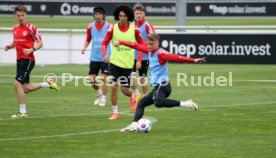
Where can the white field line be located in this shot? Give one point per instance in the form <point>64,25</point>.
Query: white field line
<point>269,81</point>
<point>71,115</point>
<point>60,135</point>
<point>113,130</point>
<point>153,120</point>
<point>152,110</point>
<point>241,104</point>
<point>39,76</point>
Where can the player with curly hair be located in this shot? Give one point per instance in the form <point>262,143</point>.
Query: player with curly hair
<point>122,57</point>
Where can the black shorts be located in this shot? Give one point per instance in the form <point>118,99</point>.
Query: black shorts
<point>24,68</point>
<point>95,67</point>
<point>120,75</point>
<point>144,68</point>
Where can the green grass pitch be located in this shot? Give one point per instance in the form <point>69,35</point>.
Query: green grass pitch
<point>82,22</point>
<point>236,121</point>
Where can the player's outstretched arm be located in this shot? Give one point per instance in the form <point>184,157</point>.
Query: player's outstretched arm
<point>200,60</point>
<point>167,56</point>
<point>133,45</point>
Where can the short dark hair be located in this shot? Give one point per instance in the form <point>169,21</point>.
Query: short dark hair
<point>99,9</point>
<point>139,7</point>
<point>126,9</point>
<point>20,8</point>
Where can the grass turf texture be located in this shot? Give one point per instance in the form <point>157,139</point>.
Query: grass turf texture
<point>81,23</point>
<point>237,121</point>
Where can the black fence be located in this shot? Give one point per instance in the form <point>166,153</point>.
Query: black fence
<point>231,9</point>
<point>223,48</point>
<point>207,9</point>
<point>82,8</point>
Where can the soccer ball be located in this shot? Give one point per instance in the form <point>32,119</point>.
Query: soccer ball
<point>144,125</point>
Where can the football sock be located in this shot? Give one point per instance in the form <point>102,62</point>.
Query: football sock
<point>22,108</point>
<point>99,92</point>
<point>183,104</point>
<point>135,91</point>
<point>45,84</point>
<point>103,98</point>
<point>115,109</point>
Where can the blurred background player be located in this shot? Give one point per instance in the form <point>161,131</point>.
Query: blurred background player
<point>159,78</point>
<point>145,28</point>
<point>26,40</point>
<point>122,57</point>
<point>95,33</point>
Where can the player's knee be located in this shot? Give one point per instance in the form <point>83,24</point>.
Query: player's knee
<point>125,91</point>
<point>114,86</point>
<point>26,88</point>
<point>93,83</point>
<point>93,80</point>
<point>17,83</point>
<point>140,104</point>
<point>158,102</point>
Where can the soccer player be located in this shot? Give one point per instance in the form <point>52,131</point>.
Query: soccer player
<point>95,33</point>
<point>159,78</point>
<point>26,40</point>
<point>145,28</point>
<point>122,57</point>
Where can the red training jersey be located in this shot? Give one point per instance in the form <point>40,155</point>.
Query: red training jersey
<point>109,36</point>
<point>149,27</point>
<point>24,37</point>
<point>89,29</point>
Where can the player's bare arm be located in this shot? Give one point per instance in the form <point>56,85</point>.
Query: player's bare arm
<point>85,45</point>
<point>138,64</point>
<point>37,46</point>
<point>200,60</point>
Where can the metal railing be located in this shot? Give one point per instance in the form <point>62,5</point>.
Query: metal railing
<point>66,44</point>
<point>206,28</point>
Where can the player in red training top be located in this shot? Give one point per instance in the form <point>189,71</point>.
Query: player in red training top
<point>95,34</point>
<point>121,58</point>
<point>26,40</point>
<point>159,78</point>
<point>145,28</point>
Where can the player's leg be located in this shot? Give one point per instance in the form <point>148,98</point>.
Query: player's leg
<point>143,76</point>
<point>144,84</point>
<point>26,68</point>
<point>160,94</point>
<point>22,77</point>
<point>30,87</point>
<point>104,70</point>
<point>22,86</point>
<point>97,88</point>
<point>135,91</point>
<point>125,87</point>
<point>21,100</point>
<point>144,102</point>
<point>94,69</point>
<point>115,72</point>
